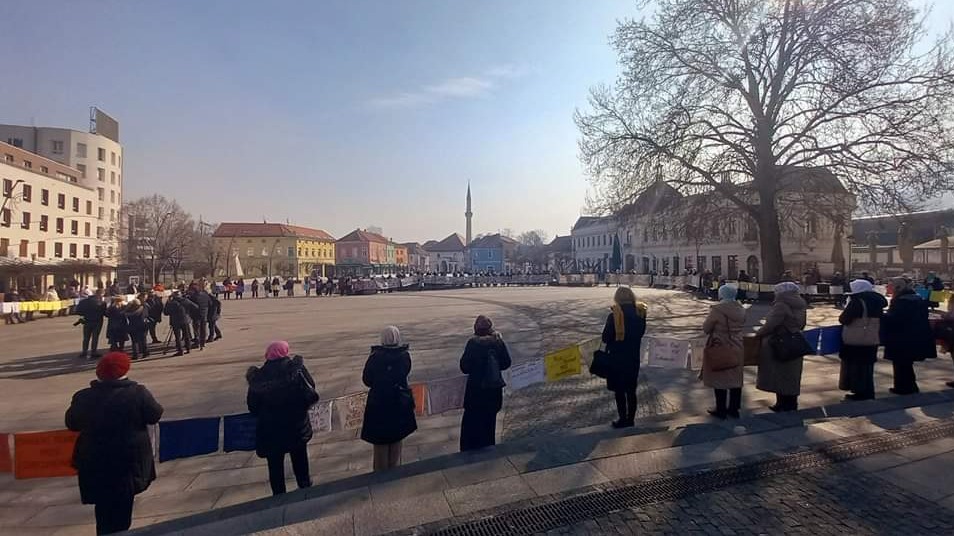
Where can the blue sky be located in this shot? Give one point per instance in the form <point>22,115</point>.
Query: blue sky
<point>332,114</point>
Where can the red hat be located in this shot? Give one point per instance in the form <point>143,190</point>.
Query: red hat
<point>112,366</point>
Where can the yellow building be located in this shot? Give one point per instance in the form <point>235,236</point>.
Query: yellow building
<point>256,250</point>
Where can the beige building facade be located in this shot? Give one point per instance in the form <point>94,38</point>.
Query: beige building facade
<point>273,249</point>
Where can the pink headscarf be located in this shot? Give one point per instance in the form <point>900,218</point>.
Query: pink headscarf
<point>276,350</point>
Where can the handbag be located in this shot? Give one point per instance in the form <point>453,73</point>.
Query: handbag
<point>492,379</point>
<point>862,331</point>
<point>602,364</point>
<point>717,355</point>
<point>306,391</point>
<point>789,346</point>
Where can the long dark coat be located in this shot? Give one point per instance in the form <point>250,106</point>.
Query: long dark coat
<point>92,309</point>
<point>905,331</point>
<point>386,419</point>
<point>783,378</point>
<point>113,454</point>
<point>116,325</point>
<point>154,306</point>
<point>174,309</point>
<point>478,424</point>
<point>875,304</point>
<point>273,397</point>
<point>137,319</point>
<point>624,353</point>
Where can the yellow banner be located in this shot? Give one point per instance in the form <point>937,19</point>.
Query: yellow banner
<point>940,296</point>
<point>562,363</point>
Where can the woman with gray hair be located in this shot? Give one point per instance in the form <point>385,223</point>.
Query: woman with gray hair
<point>777,373</point>
<point>389,413</point>
<point>723,357</point>
<point>906,335</point>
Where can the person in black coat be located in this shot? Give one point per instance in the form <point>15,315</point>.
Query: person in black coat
<point>153,306</point>
<point>178,314</point>
<point>116,324</point>
<point>485,356</point>
<point>389,413</point>
<point>113,454</point>
<point>215,311</point>
<point>279,395</point>
<point>857,361</point>
<point>137,321</point>
<point>623,335</point>
<point>200,322</point>
<point>91,310</point>
<point>906,335</point>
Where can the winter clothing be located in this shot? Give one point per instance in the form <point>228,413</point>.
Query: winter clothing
<point>112,366</point>
<point>276,350</point>
<point>137,318</point>
<point>92,310</point>
<point>725,322</point>
<point>907,337</point>
<point>116,326</point>
<point>624,353</point>
<point>389,414</point>
<point>113,454</point>
<point>789,313</point>
<point>857,362</point>
<point>481,403</point>
<point>153,307</point>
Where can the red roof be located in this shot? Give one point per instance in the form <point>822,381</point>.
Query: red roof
<point>233,229</point>
<point>363,236</point>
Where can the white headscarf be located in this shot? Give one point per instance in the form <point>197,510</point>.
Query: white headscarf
<point>391,336</point>
<point>785,286</point>
<point>861,285</point>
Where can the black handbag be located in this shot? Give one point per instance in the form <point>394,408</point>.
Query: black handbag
<point>602,364</point>
<point>788,346</point>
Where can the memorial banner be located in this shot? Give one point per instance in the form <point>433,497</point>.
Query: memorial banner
<point>940,296</point>
<point>419,390</point>
<point>830,340</point>
<point>238,432</point>
<point>563,363</point>
<point>526,374</point>
<point>668,353</point>
<point>6,457</point>
<point>43,454</point>
<point>589,346</point>
<point>696,349</point>
<point>188,437</point>
<point>445,395</point>
<point>320,416</point>
<point>351,410</point>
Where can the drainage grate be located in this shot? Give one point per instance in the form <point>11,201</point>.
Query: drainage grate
<point>544,517</point>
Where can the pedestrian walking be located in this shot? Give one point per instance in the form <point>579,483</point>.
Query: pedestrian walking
<point>200,320</point>
<point>116,324</point>
<point>113,455</point>
<point>861,326</point>
<point>91,310</point>
<point>389,413</point>
<point>485,356</point>
<point>724,355</point>
<point>137,320</point>
<point>780,373</point>
<point>279,395</point>
<point>215,312</point>
<point>907,335</point>
<point>623,334</point>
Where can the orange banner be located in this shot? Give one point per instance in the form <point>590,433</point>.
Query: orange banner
<point>6,460</point>
<point>419,390</point>
<point>43,454</point>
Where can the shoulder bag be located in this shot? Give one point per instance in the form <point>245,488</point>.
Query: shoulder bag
<point>789,346</point>
<point>862,331</point>
<point>717,355</point>
<point>602,363</point>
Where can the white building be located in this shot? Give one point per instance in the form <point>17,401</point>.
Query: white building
<point>592,239</point>
<point>448,255</point>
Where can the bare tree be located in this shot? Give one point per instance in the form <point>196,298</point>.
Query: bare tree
<point>154,227</point>
<point>537,237</point>
<point>715,93</point>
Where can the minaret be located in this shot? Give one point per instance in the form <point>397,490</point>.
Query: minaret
<point>469,215</point>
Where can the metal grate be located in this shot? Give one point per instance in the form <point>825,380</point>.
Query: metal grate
<point>544,517</point>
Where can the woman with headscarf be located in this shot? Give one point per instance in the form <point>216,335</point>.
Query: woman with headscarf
<point>137,323</point>
<point>485,356</point>
<point>906,335</point>
<point>622,335</point>
<point>113,454</point>
<point>724,329</point>
<point>860,319</point>
<point>782,377</point>
<point>279,395</point>
<point>389,413</point>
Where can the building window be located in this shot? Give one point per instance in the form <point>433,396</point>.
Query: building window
<point>56,146</point>
<point>25,223</point>
<point>7,187</point>
<point>5,217</point>
<point>80,150</point>
<point>82,169</point>
<point>101,174</point>
<point>250,252</point>
<point>45,197</point>
<point>44,169</point>
<point>101,154</point>
<point>72,251</point>
<point>76,204</point>
<point>27,192</point>
<point>59,225</point>
<point>112,196</point>
<point>85,251</point>
<point>112,177</point>
<point>61,201</point>
<point>112,158</point>
<point>44,222</point>
<point>4,246</point>
<point>109,251</point>
<point>24,248</point>
<point>86,228</point>
<point>89,208</point>
<point>101,193</point>
<point>41,249</point>
<point>8,157</point>
<point>101,212</point>
<point>74,227</point>
<point>27,164</point>
<point>291,251</point>
<point>112,214</point>
<point>57,250</point>
<point>99,235</point>
<point>99,251</point>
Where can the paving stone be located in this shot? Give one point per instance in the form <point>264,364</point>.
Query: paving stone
<point>409,486</point>
<point>631,465</point>
<point>467,499</point>
<point>922,477</point>
<point>564,478</point>
<point>229,477</point>
<point>388,516</point>
<point>334,504</point>
<point>481,471</point>
<point>62,515</point>
<point>180,503</point>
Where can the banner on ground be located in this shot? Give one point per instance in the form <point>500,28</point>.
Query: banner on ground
<point>188,437</point>
<point>351,410</point>
<point>697,347</point>
<point>320,416</point>
<point>527,373</point>
<point>563,363</point>
<point>665,352</point>
<point>830,341</point>
<point>419,390</point>
<point>813,336</point>
<point>43,454</point>
<point>238,432</point>
<point>445,395</point>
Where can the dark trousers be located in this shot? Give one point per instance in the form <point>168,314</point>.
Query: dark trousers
<point>91,337</point>
<point>626,405</point>
<point>275,293</point>
<point>114,515</point>
<point>276,469</point>
<point>138,342</point>
<point>214,332</point>
<point>181,333</point>
<point>198,331</point>
<point>254,292</point>
<point>152,332</point>
<point>786,402</point>
<point>905,382</point>
<point>734,397</point>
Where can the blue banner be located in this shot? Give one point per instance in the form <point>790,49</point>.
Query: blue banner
<point>813,336</point>
<point>830,342</point>
<point>189,437</point>
<point>238,432</point>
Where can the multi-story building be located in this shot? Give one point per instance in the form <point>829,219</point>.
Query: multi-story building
<point>364,253</point>
<point>492,254</point>
<point>400,256</point>
<point>592,239</point>
<point>417,259</point>
<point>273,249</point>
<point>97,156</point>
<point>48,224</point>
<point>448,255</point>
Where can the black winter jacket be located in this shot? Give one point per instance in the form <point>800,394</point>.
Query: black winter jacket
<point>203,301</point>
<point>905,331</point>
<point>92,309</point>
<point>275,399</point>
<point>387,418</point>
<point>154,307</point>
<point>113,454</point>
<point>177,313</point>
<point>625,353</point>
<point>474,364</point>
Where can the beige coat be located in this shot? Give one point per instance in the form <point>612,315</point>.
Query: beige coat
<point>783,378</point>
<point>725,321</point>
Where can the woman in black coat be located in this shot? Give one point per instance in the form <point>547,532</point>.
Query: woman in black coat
<point>485,356</point>
<point>113,454</point>
<point>906,335</point>
<point>857,361</point>
<point>116,324</point>
<point>622,335</point>
<point>389,413</point>
<point>279,395</point>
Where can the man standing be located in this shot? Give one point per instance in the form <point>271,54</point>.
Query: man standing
<point>91,311</point>
<point>154,308</point>
<point>203,302</point>
<point>176,310</point>
<point>215,311</point>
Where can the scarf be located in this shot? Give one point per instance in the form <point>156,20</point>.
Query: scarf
<point>619,320</point>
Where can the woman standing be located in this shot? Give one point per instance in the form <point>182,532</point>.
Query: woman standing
<point>776,374</point>
<point>113,454</point>
<point>861,319</point>
<point>276,286</point>
<point>485,356</point>
<point>239,288</point>
<point>255,288</point>
<point>622,335</point>
<point>906,335</point>
<point>137,319</point>
<point>389,414</point>
<point>279,395</point>
<point>724,327</point>
<point>116,324</point>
